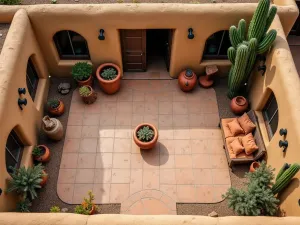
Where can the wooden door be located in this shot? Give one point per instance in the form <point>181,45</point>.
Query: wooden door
<point>168,48</point>
<point>134,50</point>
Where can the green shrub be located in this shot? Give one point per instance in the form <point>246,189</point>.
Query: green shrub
<point>25,181</point>
<point>87,205</point>
<point>10,2</point>
<point>54,209</point>
<point>53,103</point>
<point>81,71</point>
<point>23,206</point>
<point>84,91</point>
<point>120,1</point>
<point>53,1</point>
<point>109,74</point>
<point>145,134</point>
<point>37,151</point>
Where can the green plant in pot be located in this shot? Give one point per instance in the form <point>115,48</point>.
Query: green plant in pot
<point>23,206</point>
<point>87,207</point>
<point>82,73</point>
<point>55,209</point>
<point>109,77</point>
<point>109,74</point>
<point>41,153</point>
<point>145,136</point>
<point>55,107</point>
<point>87,94</point>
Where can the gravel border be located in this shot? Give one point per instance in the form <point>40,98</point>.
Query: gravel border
<point>3,33</point>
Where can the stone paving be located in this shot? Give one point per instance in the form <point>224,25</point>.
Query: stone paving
<point>187,165</point>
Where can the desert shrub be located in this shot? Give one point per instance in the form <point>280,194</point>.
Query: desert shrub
<point>82,71</point>
<point>54,209</point>
<point>10,2</point>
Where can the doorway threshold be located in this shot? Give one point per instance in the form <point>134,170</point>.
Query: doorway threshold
<point>147,76</point>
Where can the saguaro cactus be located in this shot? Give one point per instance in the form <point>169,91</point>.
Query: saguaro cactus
<point>257,39</point>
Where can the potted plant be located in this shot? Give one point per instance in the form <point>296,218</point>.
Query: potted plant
<point>55,209</point>
<point>41,153</point>
<point>88,95</point>
<point>145,136</point>
<point>23,206</point>
<point>25,181</point>
<point>87,207</point>
<point>109,77</point>
<point>82,73</point>
<point>55,107</point>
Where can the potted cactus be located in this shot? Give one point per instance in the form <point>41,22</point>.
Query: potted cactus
<point>56,107</point>
<point>109,77</point>
<point>145,136</point>
<point>41,153</point>
<point>82,73</point>
<point>23,206</point>
<point>87,207</point>
<point>87,94</point>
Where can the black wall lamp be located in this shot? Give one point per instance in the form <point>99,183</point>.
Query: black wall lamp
<point>0,191</point>
<point>283,132</point>
<point>283,144</point>
<point>22,91</point>
<point>22,101</point>
<point>101,35</point>
<point>191,35</point>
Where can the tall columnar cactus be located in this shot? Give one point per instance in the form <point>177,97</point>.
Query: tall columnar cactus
<point>256,39</point>
<point>285,178</point>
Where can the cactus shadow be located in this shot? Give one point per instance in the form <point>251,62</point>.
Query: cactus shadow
<point>289,190</point>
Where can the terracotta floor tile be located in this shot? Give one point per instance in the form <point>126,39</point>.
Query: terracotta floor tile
<point>179,96</point>
<point>183,161</point>
<point>92,108</point>
<point>77,107</point>
<point>104,160</point>
<point>181,121</point>
<point>86,160</point>
<point>124,96</point>
<point>195,108</point>
<point>88,145</point>
<point>167,176</point>
<point>123,132</point>
<point>101,192</point>
<point>165,108</point>
<point>81,191</point>
<point>155,207</point>
<point>221,176</point>
<point>138,96</point>
<point>124,107</point>
<point>182,147</point>
<point>211,120</point>
<point>151,179</point>
<point>151,108</point>
<point>91,119</point>
<point>180,108</point>
<point>120,176</point>
<point>85,176</point>
<point>151,118</point>
<point>71,145</point>
<point>76,96</point>
<point>165,120</point>
<point>186,193</point>
<point>73,131</point>
<point>216,146</point>
<point>167,161</point>
<point>119,192</point>
<point>122,145</point>
<point>121,160</point>
<point>102,176</point>
<point>196,133</point>
<point>199,147</point>
<point>169,190</point>
<point>107,98</point>
<point>105,145</point>
<point>136,119</point>
<point>220,190</point>
<point>204,193</point>
<point>69,161</point>
<point>203,176</point>
<point>151,159</point>
<point>66,176</point>
<point>219,161</point>
<point>202,161</point>
<point>75,119</point>
<point>107,131</point>
<point>123,119</point>
<point>166,147</point>
<point>197,120</point>
<point>107,119</point>
<point>184,176</point>
<point>169,202</point>
<point>182,133</point>
<point>108,107</point>
<point>137,209</point>
<point>138,108</point>
<point>136,180</point>
<point>65,192</point>
<point>90,132</point>
<point>166,133</point>
<point>136,161</point>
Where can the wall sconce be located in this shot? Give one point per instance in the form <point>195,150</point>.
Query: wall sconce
<point>283,144</point>
<point>190,35</point>
<point>22,102</point>
<point>101,35</point>
<point>0,191</point>
<point>283,132</point>
<point>21,91</point>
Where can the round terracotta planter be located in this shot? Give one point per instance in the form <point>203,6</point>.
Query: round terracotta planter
<point>88,82</point>
<point>109,86</point>
<point>45,157</point>
<point>145,145</point>
<point>187,80</point>
<point>58,111</point>
<point>239,105</point>
<point>254,166</point>
<point>91,98</point>
<point>44,179</point>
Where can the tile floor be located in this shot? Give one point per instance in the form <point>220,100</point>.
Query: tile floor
<point>187,165</point>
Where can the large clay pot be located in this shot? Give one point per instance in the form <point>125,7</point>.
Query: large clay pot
<point>91,98</point>
<point>187,80</point>
<point>239,105</point>
<point>53,128</point>
<point>44,179</point>
<point>58,111</point>
<point>145,145</point>
<point>254,166</point>
<point>88,82</point>
<point>45,157</point>
<point>109,86</point>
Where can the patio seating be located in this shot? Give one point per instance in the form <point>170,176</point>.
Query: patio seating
<point>242,157</point>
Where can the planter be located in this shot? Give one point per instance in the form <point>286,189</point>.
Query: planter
<point>58,111</point>
<point>187,80</point>
<point>207,81</point>
<point>44,179</point>
<point>145,145</point>
<point>91,98</point>
<point>254,166</point>
<point>88,82</point>
<point>53,128</point>
<point>46,154</point>
<point>239,105</point>
<point>109,86</point>
<point>92,211</point>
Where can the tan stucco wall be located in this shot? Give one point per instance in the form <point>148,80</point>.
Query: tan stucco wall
<point>19,45</point>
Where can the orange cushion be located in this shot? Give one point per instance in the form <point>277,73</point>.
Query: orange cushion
<point>245,122</point>
<point>235,127</point>
<point>225,128</point>
<point>236,146</point>
<point>231,154</point>
<point>249,144</point>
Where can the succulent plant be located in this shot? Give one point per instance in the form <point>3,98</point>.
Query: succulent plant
<point>109,74</point>
<point>37,151</point>
<point>81,71</point>
<point>54,209</point>
<point>84,91</point>
<point>145,134</point>
<point>23,206</point>
<point>53,103</point>
<point>86,207</point>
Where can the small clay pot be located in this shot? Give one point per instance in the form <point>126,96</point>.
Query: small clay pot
<point>145,145</point>
<point>45,157</point>
<point>239,105</point>
<point>254,166</point>
<point>44,179</point>
<point>187,80</point>
<point>88,82</point>
<point>91,98</point>
<point>55,132</point>
<point>109,86</point>
<point>58,111</point>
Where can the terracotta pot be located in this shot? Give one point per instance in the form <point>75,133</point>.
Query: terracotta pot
<point>109,86</point>
<point>44,179</point>
<point>145,145</point>
<point>92,211</point>
<point>187,80</point>
<point>254,166</point>
<point>91,98</point>
<point>45,157</point>
<point>53,128</point>
<point>57,111</point>
<point>88,82</point>
<point>239,105</point>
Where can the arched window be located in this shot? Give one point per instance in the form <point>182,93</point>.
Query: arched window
<point>270,113</point>
<point>216,45</point>
<point>71,45</point>
<point>13,151</point>
<point>32,78</point>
